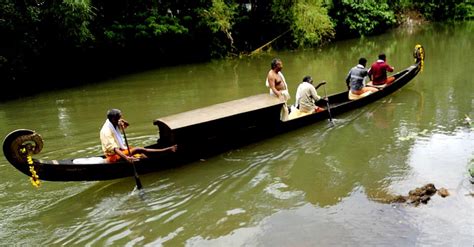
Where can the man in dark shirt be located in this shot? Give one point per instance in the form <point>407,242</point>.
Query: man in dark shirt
<point>378,71</point>
<point>355,78</point>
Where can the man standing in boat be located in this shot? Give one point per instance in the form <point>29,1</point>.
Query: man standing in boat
<point>277,84</point>
<point>113,143</point>
<point>355,81</point>
<point>378,71</point>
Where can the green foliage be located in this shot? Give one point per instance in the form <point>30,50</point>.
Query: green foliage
<point>307,19</point>
<point>362,17</point>
<point>464,11</point>
<point>220,16</point>
<point>311,24</point>
<point>282,14</point>
<point>68,21</point>
<point>20,39</point>
<point>399,6</point>
<point>444,10</point>
<point>147,27</point>
<point>142,23</point>
<point>161,25</point>
<point>13,15</point>
<point>44,36</point>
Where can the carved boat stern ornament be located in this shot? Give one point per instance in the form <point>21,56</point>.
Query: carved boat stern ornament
<point>20,144</point>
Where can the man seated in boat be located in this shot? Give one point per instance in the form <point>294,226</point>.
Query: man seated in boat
<point>378,72</point>
<point>277,84</point>
<point>355,81</point>
<point>306,98</point>
<point>113,143</point>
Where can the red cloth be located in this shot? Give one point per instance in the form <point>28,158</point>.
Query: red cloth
<point>378,71</point>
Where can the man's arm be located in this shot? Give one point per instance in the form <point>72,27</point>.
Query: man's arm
<point>369,73</point>
<point>122,122</point>
<point>389,68</point>
<point>314,94</point>
<point>348,79</point>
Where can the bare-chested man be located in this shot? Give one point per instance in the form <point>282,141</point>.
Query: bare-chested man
<point>276,81</point>
<point>277,84</point>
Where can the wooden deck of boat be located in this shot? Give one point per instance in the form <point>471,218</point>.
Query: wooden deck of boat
<point>219,111</point>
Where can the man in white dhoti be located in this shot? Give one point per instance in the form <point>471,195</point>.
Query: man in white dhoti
<point>277,84</point>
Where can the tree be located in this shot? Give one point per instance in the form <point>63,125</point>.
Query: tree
<point>311,24</point>
<point>220,17</point>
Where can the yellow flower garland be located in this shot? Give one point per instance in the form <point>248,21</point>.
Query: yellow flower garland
<point>419,48</point>
<point>34,177</point>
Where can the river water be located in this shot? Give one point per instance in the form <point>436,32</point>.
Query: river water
<point>320,185</point>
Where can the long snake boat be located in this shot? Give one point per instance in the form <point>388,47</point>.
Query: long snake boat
<point>199,133</point>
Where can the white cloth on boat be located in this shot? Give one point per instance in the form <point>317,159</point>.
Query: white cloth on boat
<point>89,161</point>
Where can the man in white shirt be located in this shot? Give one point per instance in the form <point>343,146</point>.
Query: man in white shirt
<point>306,96</point>
<point>114,146</point>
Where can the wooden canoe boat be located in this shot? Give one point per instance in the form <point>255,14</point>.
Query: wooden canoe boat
<point>199,134</point>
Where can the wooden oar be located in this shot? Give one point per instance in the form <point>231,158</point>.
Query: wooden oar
<point>327,102</point>
<point>137,179</point>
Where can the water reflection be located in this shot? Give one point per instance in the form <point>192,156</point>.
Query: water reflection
<point>63,117</point>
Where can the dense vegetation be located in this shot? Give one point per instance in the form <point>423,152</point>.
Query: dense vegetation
<point>51,43</point>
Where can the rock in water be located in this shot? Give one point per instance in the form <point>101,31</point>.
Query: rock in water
<point>443,192</point>
<point>429,189</point>
<point>424,199</point>
<point>420,195</point>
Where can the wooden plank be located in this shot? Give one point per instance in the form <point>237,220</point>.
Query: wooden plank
<point>219,111</point>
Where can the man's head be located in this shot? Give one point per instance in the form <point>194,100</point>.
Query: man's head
<point>382,56</point>
<point>114,115</point>
<point>362,61</point>
<point>308,79</point>
<point>276,62</point>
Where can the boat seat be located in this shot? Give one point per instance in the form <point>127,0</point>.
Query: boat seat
<point>357,96</point>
